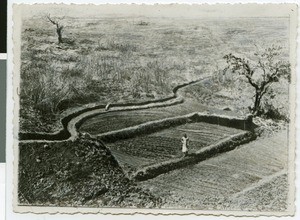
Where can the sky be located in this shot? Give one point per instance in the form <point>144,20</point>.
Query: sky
<point>173,10</point>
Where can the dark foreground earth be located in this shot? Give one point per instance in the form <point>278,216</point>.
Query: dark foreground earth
<point>79,173</point>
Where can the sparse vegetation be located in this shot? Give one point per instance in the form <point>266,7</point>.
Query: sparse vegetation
<point>109,69</point>
<point>115,61</point>
<point>143,23</point>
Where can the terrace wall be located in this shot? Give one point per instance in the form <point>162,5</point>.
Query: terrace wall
<point>245,123</point>
<point>246,135</point>
<point>210,151</point>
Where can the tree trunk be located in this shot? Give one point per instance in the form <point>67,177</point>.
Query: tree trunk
<point>59,29</point>
<point>59,33</point>
<point>256,107</point>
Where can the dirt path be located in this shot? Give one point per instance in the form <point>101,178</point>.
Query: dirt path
<point>252,177</point>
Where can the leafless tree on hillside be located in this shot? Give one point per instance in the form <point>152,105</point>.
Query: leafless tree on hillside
<point>59,28</point>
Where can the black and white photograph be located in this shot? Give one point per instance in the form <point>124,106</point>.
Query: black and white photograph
<point>154,108</point>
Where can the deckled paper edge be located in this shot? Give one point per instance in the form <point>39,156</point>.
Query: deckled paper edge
<point>17,10</point>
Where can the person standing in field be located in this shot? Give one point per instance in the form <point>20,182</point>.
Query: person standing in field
<point>107,107</point>
<point>184,141</point>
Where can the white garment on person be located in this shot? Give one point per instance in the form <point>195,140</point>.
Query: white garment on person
<point>107,107</point>
<point>184,141</point>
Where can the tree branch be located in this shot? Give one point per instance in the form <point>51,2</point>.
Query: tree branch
<point>242,65</point>
<point>251,82</point>
<point>59,28</point>
<point>52,21</point>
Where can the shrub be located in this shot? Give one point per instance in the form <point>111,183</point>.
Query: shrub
<point>116,46</point>
<point>271,112</point>
<point>143,23</point>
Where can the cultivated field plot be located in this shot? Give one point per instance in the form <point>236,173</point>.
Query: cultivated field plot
<point>252,177</point>
<point>135,153</point>
<point>112,121</point>
<point>117,120</point>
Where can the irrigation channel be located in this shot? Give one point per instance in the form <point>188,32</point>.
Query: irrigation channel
<point>72,120</point>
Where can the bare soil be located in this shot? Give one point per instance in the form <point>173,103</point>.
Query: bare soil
<point>160,146</point>
<point>79,173</point>
<point>221,183</point>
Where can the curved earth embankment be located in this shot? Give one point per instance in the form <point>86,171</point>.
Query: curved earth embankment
<point>73,118</point>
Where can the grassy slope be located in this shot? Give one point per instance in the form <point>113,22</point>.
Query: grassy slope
<point>211,184</point>
<point>237,95</point>
<point>78,173</point>
<point>115,59</point>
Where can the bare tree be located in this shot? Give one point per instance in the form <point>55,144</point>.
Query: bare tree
<point>267,69</point>
<point>59,28</point>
